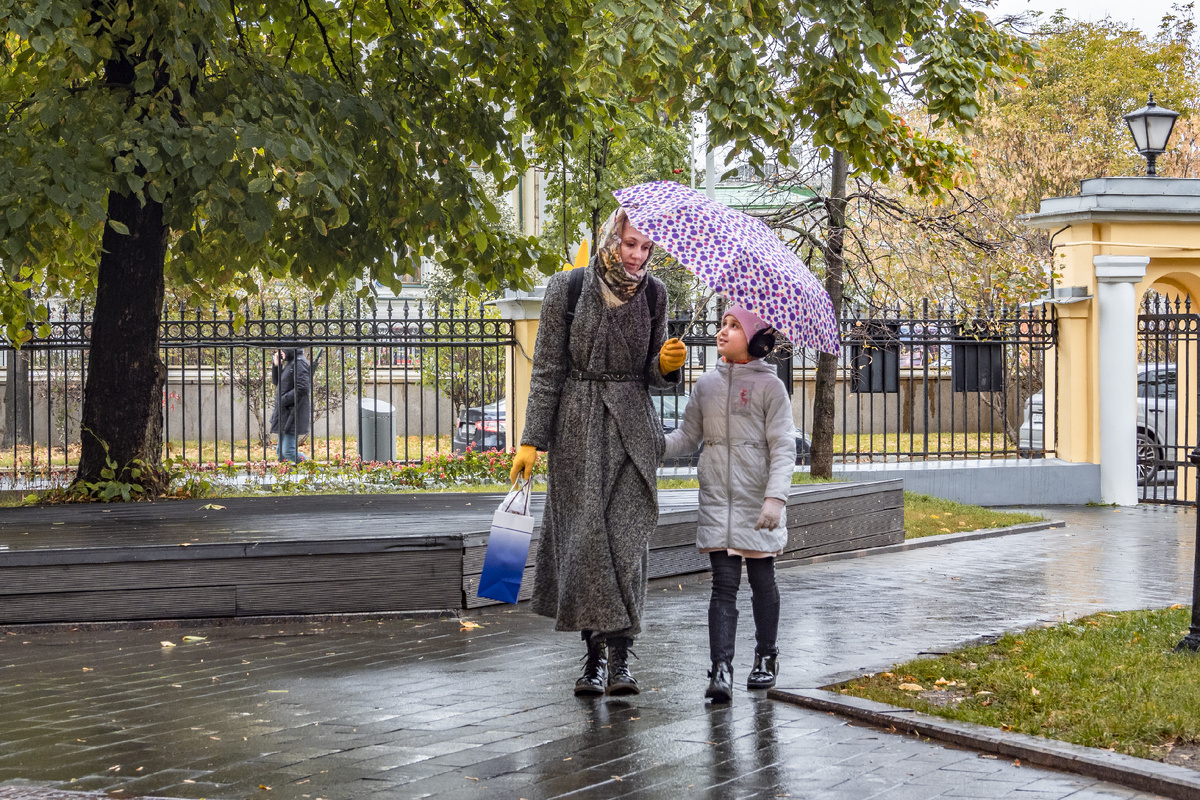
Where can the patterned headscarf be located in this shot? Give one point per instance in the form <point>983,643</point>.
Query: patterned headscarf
<point>620,286</point>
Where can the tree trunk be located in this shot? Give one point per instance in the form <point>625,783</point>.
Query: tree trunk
<point>17,430</point>
<point>123,396</point>
<point>824,401</point>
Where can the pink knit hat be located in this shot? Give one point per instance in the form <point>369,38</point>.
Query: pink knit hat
<point>750,323</point>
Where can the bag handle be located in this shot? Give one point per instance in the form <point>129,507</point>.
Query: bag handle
<point>521,488</point>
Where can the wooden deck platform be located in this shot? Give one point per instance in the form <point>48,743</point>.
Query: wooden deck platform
<point>335,554</point>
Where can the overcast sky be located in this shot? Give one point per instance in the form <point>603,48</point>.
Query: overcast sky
<point>1143,14</point>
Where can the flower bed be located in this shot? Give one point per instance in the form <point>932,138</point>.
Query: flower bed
<point>349,475</point>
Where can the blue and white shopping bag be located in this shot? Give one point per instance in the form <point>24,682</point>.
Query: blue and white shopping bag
<point>508,547</point>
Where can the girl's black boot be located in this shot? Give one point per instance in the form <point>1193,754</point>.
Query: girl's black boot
<point>720,685</point>
<point>766,670</point>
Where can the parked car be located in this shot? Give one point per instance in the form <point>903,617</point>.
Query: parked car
<point>482,428</point>
<point>1156,416</point>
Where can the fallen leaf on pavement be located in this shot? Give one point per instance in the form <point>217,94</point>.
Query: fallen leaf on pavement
<point>211,507</point>
<point>467,625</point>
<point>167,644</point>
<point>194,638</point>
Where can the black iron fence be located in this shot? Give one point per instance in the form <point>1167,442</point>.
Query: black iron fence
<point>923,383</point>
<point>386,384</point>
<point>1167,400</point>
<point>409,379</point>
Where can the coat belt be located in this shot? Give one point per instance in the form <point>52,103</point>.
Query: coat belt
<point>616,377</point>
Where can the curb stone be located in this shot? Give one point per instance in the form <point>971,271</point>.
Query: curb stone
<point>930,541</point>
<point>1137,773</point>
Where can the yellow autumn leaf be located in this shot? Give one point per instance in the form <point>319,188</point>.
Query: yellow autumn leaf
<point>912,687</point>
<point>1176,606</point>
<point>194,638</point>
<point>468,625</point>
<point>167,644</point>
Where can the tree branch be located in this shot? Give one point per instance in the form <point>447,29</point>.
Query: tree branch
<point>328,45</point>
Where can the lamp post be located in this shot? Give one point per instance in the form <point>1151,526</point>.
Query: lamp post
<point>1151,128</point>
<point>1191,642</point>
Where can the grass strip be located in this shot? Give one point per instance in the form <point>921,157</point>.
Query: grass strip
<point>930,516</point>
<point>1107,681</point>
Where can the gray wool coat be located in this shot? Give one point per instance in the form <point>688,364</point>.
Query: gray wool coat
<point>604,445</point>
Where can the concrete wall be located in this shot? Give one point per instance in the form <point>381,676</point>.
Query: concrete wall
<point>996,482</point>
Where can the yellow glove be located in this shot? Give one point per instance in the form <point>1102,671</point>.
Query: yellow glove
<point>671,356</point>
<point>523,462</point>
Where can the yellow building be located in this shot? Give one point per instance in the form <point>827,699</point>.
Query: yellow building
<point>1114,241</point>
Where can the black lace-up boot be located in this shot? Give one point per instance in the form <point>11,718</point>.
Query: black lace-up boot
<point>620,680</point>
<point>595,671</point>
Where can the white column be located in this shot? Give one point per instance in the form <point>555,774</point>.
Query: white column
<point>1117,340</point>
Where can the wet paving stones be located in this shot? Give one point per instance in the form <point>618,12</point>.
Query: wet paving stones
<point>399,708</point>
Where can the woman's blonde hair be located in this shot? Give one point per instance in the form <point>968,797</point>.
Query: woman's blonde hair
<point>619,222</point>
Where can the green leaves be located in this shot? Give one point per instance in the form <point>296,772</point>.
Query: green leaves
<point>315,142</point>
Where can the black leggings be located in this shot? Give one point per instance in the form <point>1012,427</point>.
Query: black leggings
<point>722,608</point>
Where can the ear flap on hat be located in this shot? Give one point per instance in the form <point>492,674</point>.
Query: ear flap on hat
<point>761,343</point>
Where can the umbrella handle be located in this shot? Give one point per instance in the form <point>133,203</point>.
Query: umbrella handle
<point>700,309</point>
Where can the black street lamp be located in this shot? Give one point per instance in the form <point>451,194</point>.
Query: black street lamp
<point>1191,642</point>
<point>1151,128</point>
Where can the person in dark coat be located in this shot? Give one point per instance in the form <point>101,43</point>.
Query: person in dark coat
<point>293,404</point>
<point>590,410</point>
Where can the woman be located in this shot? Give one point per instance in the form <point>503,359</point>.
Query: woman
<point>293,406</point>
<point>589,408</point>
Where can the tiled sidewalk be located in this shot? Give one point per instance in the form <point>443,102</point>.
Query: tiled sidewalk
<point>418,708</point>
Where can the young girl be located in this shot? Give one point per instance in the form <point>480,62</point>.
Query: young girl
<point>742,414</point>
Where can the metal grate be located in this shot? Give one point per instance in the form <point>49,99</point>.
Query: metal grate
<point>1168,344</point>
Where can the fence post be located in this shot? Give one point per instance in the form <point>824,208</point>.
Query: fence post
<point>524,309</point>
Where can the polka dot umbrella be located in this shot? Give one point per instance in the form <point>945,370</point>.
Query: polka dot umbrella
<point>737,256</point>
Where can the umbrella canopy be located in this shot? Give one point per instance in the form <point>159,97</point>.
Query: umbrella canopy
<point>737,256</point>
